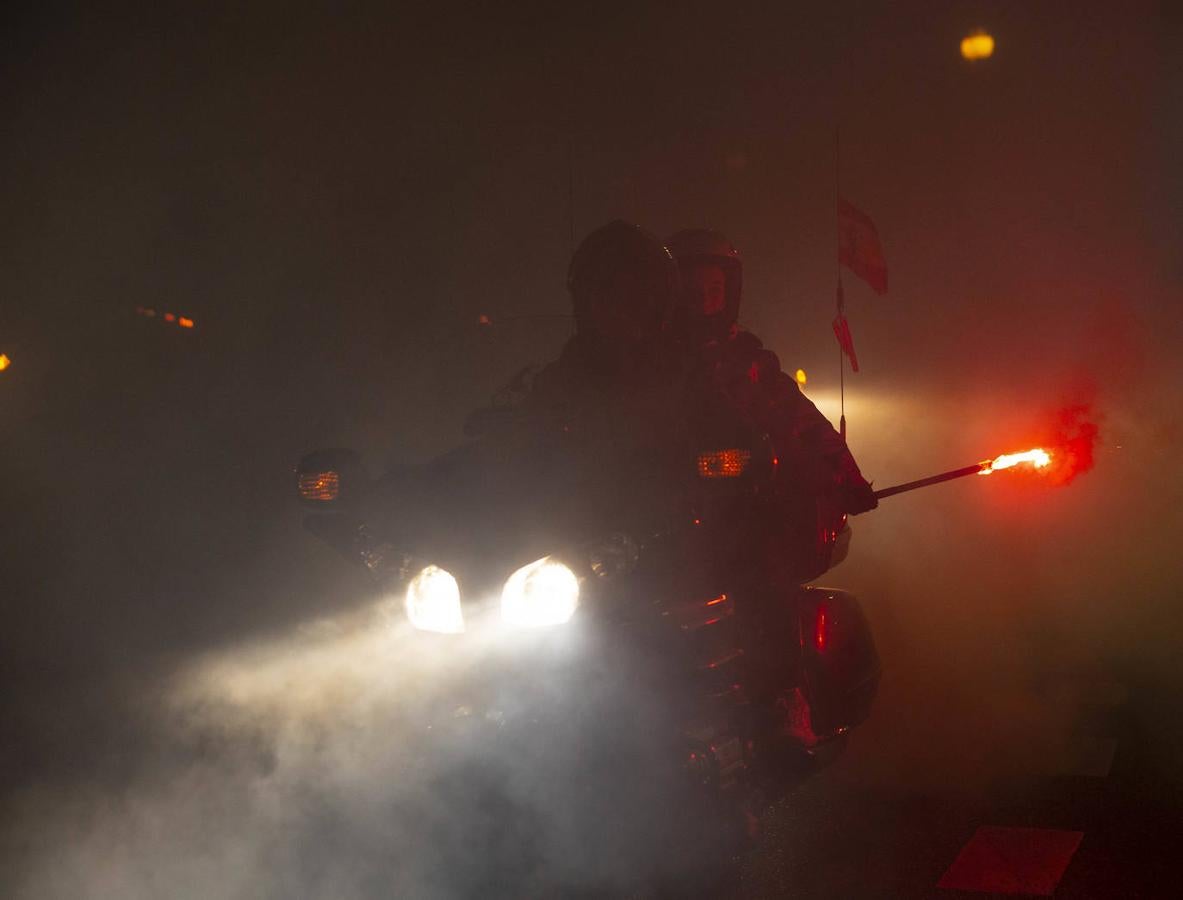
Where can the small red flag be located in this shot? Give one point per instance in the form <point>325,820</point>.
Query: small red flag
<point>845,341</point>
<point>859,248</point>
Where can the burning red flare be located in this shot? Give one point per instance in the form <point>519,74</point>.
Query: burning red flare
<point>1039,458</point>
<point>1069,442</point>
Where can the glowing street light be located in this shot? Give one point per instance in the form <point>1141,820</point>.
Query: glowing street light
<point>5,362</point>
<point>978,45</point>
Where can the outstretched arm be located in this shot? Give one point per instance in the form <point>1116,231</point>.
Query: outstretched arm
<point>818,436</point>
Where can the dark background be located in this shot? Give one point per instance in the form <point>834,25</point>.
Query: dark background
<point>335,198</point>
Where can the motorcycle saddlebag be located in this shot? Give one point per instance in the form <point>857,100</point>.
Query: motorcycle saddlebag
<point>841,667</point>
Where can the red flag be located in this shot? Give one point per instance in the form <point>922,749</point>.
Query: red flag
<point>859,248</point>
<point>845,341</point>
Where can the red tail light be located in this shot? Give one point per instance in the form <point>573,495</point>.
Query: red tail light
<point>821,629</point>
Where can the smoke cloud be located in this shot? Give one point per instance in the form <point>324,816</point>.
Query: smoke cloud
<point>331,763</point>
<point>201,701</point>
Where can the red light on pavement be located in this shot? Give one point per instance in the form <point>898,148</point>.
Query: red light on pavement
<point>1001,860</point>
<point>169,317</point>
<point>821,629</point>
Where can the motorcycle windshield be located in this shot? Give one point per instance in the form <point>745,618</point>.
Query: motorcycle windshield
<point>497,503</point>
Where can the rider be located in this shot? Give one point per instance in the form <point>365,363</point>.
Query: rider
<point>712,276</point>
<point>625,290</point>
<point>615,396</point>
<point>619,396</point>
<point>625,287</point>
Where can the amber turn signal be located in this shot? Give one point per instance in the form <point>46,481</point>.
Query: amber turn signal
<point>323,486</point>
<point>723,463</point>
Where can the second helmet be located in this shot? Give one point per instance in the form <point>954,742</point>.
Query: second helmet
<point>701,246</point>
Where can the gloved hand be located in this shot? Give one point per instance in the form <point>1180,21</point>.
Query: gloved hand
<point>858,497</point>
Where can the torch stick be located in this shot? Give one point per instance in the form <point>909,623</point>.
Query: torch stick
<point>931,480</point>
<point>1039,458</point>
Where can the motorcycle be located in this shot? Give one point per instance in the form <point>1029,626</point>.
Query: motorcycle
<point>643,615</point>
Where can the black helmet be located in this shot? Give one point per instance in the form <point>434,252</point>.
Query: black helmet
<point>621,265</point>
<point>700,246</point>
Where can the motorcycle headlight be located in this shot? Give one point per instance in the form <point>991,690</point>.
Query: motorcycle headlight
<point>433,602</point>
<point>546,592</point>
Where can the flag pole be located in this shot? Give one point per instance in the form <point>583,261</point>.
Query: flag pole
<point>838,270</point>
<point>571,190</point>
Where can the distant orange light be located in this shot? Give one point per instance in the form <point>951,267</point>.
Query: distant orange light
<point>150,313</point>
<point>5,362</point>
<point>1038,458</point>
<point>801,377</point>
<point>185,323</point>
<point>723,463</point>
<point>169,317</point>
<point>978,45</point>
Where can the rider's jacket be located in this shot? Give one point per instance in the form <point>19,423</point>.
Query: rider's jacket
<point>751,375</point>
<point>621,434</point>
<point>618,425</point>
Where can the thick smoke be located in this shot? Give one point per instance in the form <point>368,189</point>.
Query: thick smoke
<point>335,203</point>
<point>333,763</point>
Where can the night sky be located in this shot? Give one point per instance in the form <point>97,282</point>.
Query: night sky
<point>335,199</point>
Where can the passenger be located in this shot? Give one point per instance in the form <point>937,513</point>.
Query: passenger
<point>750,373</point>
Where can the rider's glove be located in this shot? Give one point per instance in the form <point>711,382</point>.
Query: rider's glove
<point>858,497</point>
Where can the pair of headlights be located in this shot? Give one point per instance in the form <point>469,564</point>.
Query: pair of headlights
<point>546,592</point>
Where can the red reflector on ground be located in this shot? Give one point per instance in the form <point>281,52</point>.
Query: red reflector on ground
<point>1012,861</point>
